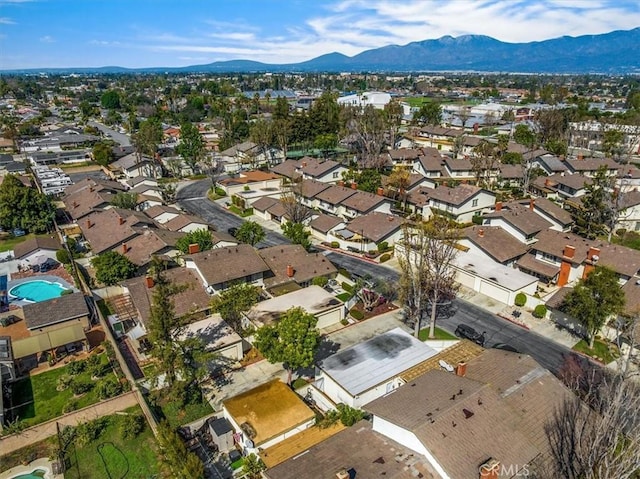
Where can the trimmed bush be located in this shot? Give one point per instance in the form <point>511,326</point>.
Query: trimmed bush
<point>357,314</point>
<point>385,257</point>
<point>344,273</point>
<point>476,219</point>
<point>220,192</point>
<point>540,311</point>
<point>320,281</point>
<point>62,255</point>
<point>76,367</point>
<point>131,426</point>
<point>383,246</point>
<point>109,388</point>
<point>521,299</point>
<point>335,244</point>
<point>80,387</point>
<point>347,287</point>
<point>70,406</point>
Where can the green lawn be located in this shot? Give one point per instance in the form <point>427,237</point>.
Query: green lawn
<point>178,416</point>
<point>602,350</point>
<point>344,296</point>
<point>39,399</point>
<point>44,448</point>
<point>234,209</point>
<point>9,243</point>
<point>423,335</point>
<point>110,456</point>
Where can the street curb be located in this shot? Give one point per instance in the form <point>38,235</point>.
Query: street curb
<point>339,251</point>
<point>512,321</point>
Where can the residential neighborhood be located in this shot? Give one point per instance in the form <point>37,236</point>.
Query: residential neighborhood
<point>209,276</point>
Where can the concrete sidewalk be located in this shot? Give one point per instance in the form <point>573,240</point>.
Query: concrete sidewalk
<point>47,429</point>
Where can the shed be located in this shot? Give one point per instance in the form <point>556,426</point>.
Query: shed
<point>222,433</point>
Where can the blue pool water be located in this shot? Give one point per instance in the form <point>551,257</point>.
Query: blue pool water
<point>37,474</point>
<point>37,290</point>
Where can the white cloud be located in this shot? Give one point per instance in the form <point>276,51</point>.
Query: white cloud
<point>47,39</point>
<point>352,26</point>
<point>6,21</point>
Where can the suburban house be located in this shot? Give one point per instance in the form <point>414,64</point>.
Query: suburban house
<point>362,203</point>
<point>438,137</point>
<point>135,305</point>
<point>327,309</point>
<point>150,242</point>
<point>330,199</point>
<point>560,186</point>
<point>366,371</point>
<point>494,408</point>
<point>34,250</point>
<point>518,220</point>
<point>364,233</point>
<point>186,223</point>
<point>130,166</point>
<point>461,203</point>
<point>418,202</point>
<point>325,171</point>
<point>219,268</point>
<point>112,228</point>
<point>87,195</point>
<point>562,258</point>
<point>404,157</point>
<point>548,163</point>
<point>494,242</point>
<point>629,218</point>
<point>292,267</point>
<point>559,218</point>
<point>459,168</point>
<point>255,181</point>
<point>161,213</point>
<point>589,166</point>
<point>309,189</point>
<point>222,239</point>
<point>53,324</point>
<point>266,415</point>
<point>429,164</point>
<point>217,336</point>
<point>322,224</point>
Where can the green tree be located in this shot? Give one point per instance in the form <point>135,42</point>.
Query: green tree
<point>595,212</point>
<point>191,147</point>
<point>110,100</point>
<point>594,300</point>
<point>112,267</point>
<point>125,200</point>
<point>369,180</point>
<point>175,460</point>
<point>147,138</point>
<point>201,237</point>
<point>235,300</point>
<point>297,233</point>
<point>102,154</point>
<point>293,340</point>
<point>253,466</point>
<point>24,207</point>
<point>430,113</point>
<point>250,232</point>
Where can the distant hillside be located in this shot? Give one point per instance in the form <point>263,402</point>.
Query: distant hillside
<point>614,53</point>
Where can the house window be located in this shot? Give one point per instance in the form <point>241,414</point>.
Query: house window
<point>549,257</point>
<point>335,174</point>
<point>474,203</point>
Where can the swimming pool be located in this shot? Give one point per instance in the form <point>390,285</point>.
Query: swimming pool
<point>37,290</point>
<point>35,474</point>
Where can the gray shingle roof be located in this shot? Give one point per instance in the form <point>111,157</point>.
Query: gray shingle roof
<point>57,310</point>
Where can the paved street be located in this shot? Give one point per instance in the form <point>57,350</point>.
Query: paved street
<point>481,315</point>
<point>120,138</point>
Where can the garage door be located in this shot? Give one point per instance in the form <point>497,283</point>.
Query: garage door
<point>465,279</point>
<point>494,291</point>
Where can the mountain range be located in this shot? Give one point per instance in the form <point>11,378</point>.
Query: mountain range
<point>610,53</point>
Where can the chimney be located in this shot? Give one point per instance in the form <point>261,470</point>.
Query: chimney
<point>380,191</point>
<point>304,163</point>
<point>568,252</point>
<point>89,225</point>
<point>149,281</point>
<point>461,369</point>
<point>593,254</point>
<point>498,206</point>
<point>75,204</point>
<point>194,248</point>
<point>580,156</point>
<point>91,189</point>
<point>490,469</point>
<point>354,186</point>
<point>547,182</point>
<point>532,203</point>
<point>343,474</point>
<point>120,220</point>
<point>125,248</point>
<point>476,126</point>
<point>290,271</point>
<point>340,183</point>
<point>481,232</point>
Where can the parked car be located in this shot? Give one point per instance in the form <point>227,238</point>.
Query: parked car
<point>467,332</point>
<point>18,232</point>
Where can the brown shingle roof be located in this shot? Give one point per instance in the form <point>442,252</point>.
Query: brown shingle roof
<point>311,188</point>
<point>158,210</point>
<point>363,202</point>
<point>551,209</point>
<point>264,203</point>
<point>182,220</point>
<point>324,223</point>
<point>306,266</point>
<point>495,242</point>
<point>248,177</point>
<point>84,201</point>
<point>454,196</point>
<point>57,310</point>
<point>335,195</point>
<point>314,167</point>
<point>521,218</point>
<point>375,226</point>
<point>623,260</point>
<point>287,168</point>
<point>227,264</point>
<point>102,229</point>
<point>458,164</point>
<point>96,184</point>
<point>592,164</point>
<point>33,244</point>
<point>148,243</point>
<point>405,154</point>
<point>528,262</point>
<point>192,298</point>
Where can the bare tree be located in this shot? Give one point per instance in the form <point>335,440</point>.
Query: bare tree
<point>483,161</point>
<point>426,256</point>
<point>596,433</point>
<point>291,199</point>
<point>367,129</point>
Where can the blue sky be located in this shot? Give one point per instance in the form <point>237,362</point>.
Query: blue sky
<point>145,33</point>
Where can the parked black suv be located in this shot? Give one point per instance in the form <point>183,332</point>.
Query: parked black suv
<point>467,332</point>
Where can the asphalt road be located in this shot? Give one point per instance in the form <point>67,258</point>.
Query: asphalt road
<point>192,197</point>
<point>120,138</point>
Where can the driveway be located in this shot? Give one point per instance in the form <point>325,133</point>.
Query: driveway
<point>120,138</point>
